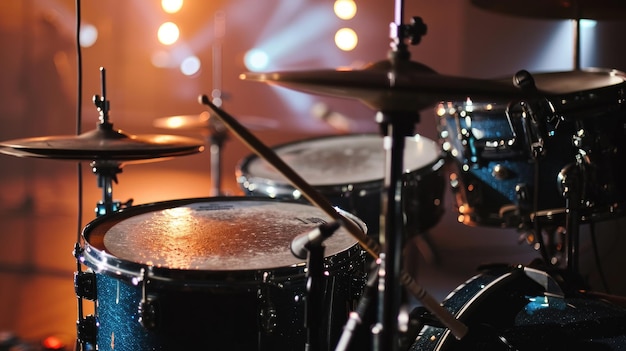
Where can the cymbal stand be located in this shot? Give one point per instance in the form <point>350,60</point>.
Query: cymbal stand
<point>394,126</point>
<point>576,36</point>
<point>218,133</point>
<point>106,170</point>
<point>576,39</point>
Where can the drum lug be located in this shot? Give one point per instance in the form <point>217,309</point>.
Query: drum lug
<point>268,316</point>
<point>148,313</point>
<point>85,285</point>
<point>86,329</point>
<point>500,172</point>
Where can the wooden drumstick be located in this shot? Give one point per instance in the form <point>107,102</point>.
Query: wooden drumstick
<point>456,327</point>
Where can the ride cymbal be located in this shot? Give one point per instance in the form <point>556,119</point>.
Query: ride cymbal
<point>102,144</point>
<point>203,122</point>
<point>557,9</point>
<point>403,86</point>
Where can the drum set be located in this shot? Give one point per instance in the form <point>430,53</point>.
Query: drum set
<point>311,257</point>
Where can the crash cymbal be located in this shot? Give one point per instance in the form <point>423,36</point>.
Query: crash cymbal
<point>558,9</point>
<point>102,144</point>
<point>203,122</point>
<point>405,86</point>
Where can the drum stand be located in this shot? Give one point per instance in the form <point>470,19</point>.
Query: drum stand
<point>572,180</point>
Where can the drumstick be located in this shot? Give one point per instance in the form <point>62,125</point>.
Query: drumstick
<point>456,327</point>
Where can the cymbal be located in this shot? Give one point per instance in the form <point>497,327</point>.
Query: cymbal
<point>102,144</point>
<point>203,122</point>
<point>406,86</point>
<point>558,9</point>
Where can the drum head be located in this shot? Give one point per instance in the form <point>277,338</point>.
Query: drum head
<point>340,160</point>
<point>217,234</point>
<point>576,81</point>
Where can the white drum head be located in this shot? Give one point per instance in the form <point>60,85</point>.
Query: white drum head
<point>218,235</point>
<point>343,159</point>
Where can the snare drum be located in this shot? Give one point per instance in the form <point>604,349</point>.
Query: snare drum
<point>498,181</point>
<point>215,273</point>
<point>349,171</point>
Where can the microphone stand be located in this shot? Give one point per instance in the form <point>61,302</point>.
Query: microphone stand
<point>313,244</point>
<point>313,302</point>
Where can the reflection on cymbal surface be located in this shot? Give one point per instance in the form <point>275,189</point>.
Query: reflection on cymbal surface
<point>404,86</point>
<point>103,144</point>
<point>558,9</point>
<point>204,121</point>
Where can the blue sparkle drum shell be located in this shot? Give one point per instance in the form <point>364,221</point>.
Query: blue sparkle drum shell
<point>496,178</point>
<point>215,273</point>
<point>524,308</point>
<point>349,171</point>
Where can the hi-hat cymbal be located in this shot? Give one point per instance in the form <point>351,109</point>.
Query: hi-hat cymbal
<point>558,9</point>
<point>103,144</point>
<point>203,122</point>
<point>405,86</point>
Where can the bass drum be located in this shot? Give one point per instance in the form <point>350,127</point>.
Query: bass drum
<point>215,274</point>
<point>349,171</point>
<point>520,308</point>
<point>499,179</point>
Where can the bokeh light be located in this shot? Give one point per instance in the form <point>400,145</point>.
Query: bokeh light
<point>345,9</point>
<point>256,60</point>
<point>88,35</point>
<point>190,65</point>
<point>168,33</point>
<point>171,6</point>
<point>346,39</point>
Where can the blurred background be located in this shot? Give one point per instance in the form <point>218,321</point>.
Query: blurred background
<point>149,77</point>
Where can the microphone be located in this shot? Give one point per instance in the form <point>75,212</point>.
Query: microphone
<point>301,243</point>
<point>334,119</point>
<point>538,108</point>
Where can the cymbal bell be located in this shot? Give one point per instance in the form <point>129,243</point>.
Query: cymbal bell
<point>203,122</point>
<point>403,86</point>
<point>102,144</point>
<point>557,9</point>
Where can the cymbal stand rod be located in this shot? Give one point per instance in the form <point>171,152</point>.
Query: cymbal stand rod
<point>101,102</point>
<point>576,38</point>
<point>216,143</point>
<point>456,327</point>
<point>107,174</point>
<point>396,127</point>
<point>217,134</point>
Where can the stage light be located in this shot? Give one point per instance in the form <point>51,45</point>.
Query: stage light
<point>256,60</point>
<point>88,35</point>
<point>345,9</point>
<point>168,33</point>
<point>171,6</point>
<point>346,39</point>
<point>190,65</point>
